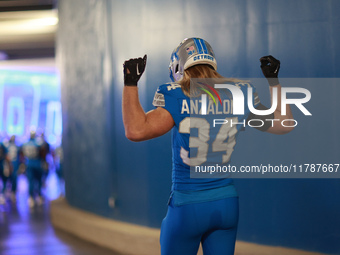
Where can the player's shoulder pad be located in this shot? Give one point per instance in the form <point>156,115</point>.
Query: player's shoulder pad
<point>244,87</point>
<point>165,90</point>
<point>169,88</point>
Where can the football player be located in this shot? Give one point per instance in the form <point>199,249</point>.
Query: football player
<point>5,171</point>
<point>43,154</point>
<point>31,151</point>
<point>14,154</point>
<point>200,210</point>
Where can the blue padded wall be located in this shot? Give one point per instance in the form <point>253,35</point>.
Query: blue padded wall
<point>94,39</point>
<point>83,56</point>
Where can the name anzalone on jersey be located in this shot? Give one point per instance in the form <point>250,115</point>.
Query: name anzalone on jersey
<point>221,104</point>
<point>229,104</point>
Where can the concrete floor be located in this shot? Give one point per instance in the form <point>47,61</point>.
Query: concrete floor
<point>28,231</point>
<point>25,230</point>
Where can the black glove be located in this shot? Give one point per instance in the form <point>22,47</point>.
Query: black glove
<point>136,68</point>
<point>270,68</point>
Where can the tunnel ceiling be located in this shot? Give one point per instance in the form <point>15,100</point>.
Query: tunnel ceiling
<point>27,29</point>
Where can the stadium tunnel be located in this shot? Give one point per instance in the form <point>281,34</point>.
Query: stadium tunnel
<point>117,190</point>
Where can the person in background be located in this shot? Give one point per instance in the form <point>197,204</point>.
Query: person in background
<point>43,153</point>
<point>34,172</point>
<point>58,156</point>
<point>5,170</point>
<point>15,157</point>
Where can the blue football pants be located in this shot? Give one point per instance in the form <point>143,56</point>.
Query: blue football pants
<point>34,175</point>
<point>214,224</point>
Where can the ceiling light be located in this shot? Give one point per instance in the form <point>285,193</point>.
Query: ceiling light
<point>3,56</point>
<point>35,25</point>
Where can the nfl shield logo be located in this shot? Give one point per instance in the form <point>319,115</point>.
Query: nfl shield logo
<point>190,50</point>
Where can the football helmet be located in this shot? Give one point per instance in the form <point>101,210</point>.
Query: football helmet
<point>190,52</point>
<point>32,134</point>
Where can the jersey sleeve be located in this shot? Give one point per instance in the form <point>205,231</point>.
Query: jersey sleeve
<point>246,89</point>
<point>256,98</point>
<point>259,106</point>
<point>167,97</point>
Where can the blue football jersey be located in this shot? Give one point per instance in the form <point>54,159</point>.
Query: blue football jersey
<point>201,139</point>
<point>31,152</point>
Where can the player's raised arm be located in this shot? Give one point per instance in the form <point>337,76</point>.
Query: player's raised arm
<point>140,126</point>
<point>270,67</point>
